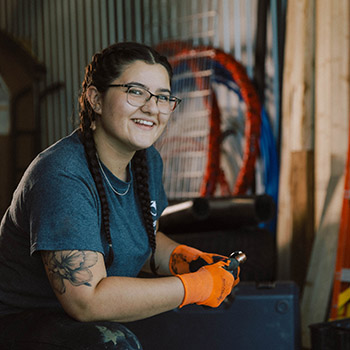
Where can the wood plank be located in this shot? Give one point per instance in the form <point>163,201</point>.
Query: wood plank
<point>331,127</point>
<point>302,193</point>
<point>297,121</point>
<point>331,94</point>
<point>317,289</point>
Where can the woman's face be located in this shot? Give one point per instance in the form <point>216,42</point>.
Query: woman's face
<point>126,127</point>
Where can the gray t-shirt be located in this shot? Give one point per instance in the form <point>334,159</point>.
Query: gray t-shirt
<point>56,207</point>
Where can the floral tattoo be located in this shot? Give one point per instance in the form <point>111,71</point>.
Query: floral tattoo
<point>69,265</point>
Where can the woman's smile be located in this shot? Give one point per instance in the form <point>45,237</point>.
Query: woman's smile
<point>144,122</point>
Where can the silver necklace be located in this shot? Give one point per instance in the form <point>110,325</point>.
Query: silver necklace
<point>110,185</point>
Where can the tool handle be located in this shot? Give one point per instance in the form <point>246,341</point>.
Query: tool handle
<point>236,258</point>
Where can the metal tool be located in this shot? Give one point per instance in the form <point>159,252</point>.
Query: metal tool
<point>236,258</point>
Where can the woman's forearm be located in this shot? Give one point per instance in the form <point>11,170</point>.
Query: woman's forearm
<point>80,282</point>
<point>125,299</point>
<point>165,246</point>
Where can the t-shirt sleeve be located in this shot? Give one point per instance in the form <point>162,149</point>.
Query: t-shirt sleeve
<point>63,212</point>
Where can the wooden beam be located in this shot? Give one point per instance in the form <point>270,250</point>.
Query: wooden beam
<point>302,197</point>
<point>331,135</point>
<point>317,289</point>
<point>331,94</point>
<point>297,125</point>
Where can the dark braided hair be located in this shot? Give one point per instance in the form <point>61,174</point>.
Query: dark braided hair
<point>140,169</point>
<point>104,68</point>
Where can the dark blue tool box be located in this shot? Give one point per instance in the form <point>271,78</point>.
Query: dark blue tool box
<point>260,317</point>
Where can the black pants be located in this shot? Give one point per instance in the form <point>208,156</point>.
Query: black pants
<point>49,330</point>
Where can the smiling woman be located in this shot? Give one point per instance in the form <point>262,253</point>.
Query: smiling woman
<point>83,222</point>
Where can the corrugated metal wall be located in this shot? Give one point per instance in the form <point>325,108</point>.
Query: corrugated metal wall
<point>64,34</point>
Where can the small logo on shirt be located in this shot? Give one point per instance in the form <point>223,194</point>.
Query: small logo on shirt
<point>154,214</point>
<point>154,208</point>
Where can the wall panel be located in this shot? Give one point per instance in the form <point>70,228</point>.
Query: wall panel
<point>64,34</point>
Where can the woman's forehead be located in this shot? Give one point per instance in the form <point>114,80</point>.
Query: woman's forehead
<point>153,76</point>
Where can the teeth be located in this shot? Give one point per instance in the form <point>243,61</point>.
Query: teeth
<point>144,122</point>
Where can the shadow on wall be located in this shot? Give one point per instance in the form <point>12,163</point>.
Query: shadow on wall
<point>20,142</point>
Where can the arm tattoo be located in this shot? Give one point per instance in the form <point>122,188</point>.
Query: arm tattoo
<point>71,265</point>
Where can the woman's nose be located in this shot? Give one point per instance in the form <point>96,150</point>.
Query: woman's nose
<point>151,105</point>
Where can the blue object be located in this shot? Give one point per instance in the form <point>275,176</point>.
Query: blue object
<point>268,147</point>
<point>258,318</point>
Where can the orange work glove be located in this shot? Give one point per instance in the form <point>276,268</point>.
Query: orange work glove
<point>210,285</point>
<point>185,259</point>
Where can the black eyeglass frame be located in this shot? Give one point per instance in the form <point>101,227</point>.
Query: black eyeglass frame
<point>171,97</point>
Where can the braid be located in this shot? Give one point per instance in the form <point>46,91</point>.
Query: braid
<point>87,115</point>
<point>90,150</point>
<point>140,169</point>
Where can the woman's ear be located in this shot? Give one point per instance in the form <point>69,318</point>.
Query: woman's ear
<point>94,99</point>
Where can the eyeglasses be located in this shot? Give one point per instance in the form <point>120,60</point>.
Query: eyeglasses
<point>137,96</point>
